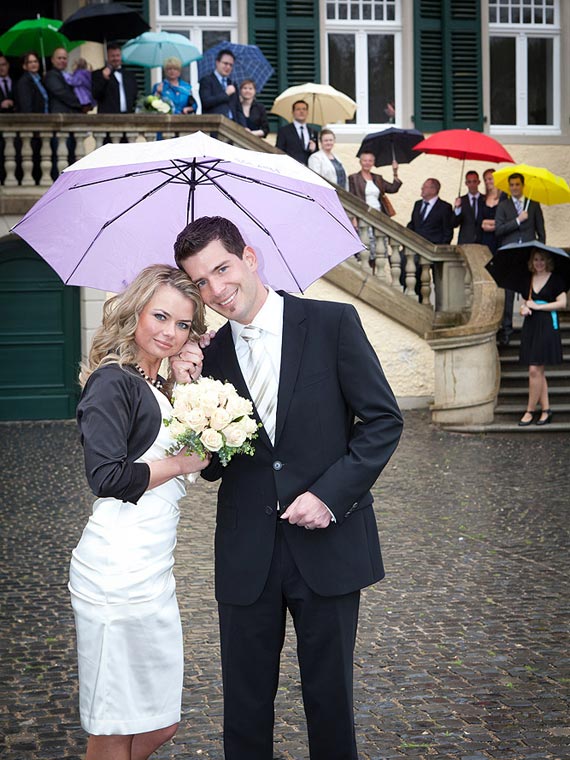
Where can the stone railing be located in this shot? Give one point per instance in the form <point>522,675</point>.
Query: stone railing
<point>451,313</point>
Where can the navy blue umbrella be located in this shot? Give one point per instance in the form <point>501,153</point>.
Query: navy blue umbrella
<point>250,63</point>
<point>392,144</point>
<point>509,265</point>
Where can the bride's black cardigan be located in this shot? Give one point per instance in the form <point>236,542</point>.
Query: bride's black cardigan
<point>119,419</point>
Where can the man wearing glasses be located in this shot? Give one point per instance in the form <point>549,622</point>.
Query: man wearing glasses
<point>217,92</point>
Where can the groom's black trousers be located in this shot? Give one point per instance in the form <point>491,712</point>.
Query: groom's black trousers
<point>251,640</point>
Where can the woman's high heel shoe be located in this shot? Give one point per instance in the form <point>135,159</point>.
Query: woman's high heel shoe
<point>525,423</point>
<point>547,420</point>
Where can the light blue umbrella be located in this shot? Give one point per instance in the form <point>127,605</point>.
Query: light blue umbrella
<point>153,48</point>
<point>250,63</point>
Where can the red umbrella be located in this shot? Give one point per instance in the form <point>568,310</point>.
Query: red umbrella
<point>465,143</point>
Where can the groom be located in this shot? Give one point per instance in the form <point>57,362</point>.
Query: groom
<point>295,524</point>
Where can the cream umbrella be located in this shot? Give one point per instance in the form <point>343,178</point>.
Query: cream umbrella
<point>326,105</point>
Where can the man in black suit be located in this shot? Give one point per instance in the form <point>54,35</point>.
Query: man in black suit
<point>113,87</point>
<point>297,139</point>
<point>218,94</point>
<point>62,98</point>
<point>518,220</point>
<point>469,211</point>
<point>295,523</point>
<point>6,86</point>
<point>432,218</point>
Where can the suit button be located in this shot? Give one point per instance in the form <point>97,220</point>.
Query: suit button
<point>355,505</point>
<point>277,465</point>
<point>268,510</point>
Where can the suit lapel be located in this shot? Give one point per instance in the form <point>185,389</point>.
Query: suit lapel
<point>294,333</point>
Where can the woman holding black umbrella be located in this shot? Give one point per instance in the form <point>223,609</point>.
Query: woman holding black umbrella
<point>540,339</point>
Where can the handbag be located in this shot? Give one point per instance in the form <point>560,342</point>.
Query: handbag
<point>386,204</point>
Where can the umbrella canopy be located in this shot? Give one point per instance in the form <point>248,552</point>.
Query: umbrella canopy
<point>104,21</point>
<point>539,184</point>
<point>121,207</point>
<point>41,34</point>
<point>509,265</point>
<point>326,105</point>
<point>153,48</point>
<point>463,144</point>
<point>250,63</point>
<point>392,144</point>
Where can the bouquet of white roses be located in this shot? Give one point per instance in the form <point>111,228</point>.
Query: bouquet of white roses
<point>154,104</point>
<point>210,416</point>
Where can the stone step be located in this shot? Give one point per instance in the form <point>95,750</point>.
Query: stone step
<point>509,359</point>
<point>512,427</point>
<point>553,390</point>
<point>510,413</point>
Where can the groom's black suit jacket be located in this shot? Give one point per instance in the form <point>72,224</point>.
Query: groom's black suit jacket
<point>338,424</point>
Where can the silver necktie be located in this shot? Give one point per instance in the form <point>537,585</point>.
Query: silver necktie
<point>260,379</point>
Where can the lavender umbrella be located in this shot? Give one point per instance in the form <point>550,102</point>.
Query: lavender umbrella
<point>121,207</point>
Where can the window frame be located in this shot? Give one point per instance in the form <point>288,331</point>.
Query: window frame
<point>522,33</point>
<point>361,29</point>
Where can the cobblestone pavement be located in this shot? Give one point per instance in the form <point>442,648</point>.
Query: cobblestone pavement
<point>462,652</point>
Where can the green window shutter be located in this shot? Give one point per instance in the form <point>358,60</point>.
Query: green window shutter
<point>447,50</point>
<point>287,31</point>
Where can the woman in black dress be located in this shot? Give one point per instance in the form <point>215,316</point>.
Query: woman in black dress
<point>254,111</point>
<point>489,210</point>
<point>540,339</point>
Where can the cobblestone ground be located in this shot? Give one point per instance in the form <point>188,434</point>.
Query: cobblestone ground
<point>462,650</point>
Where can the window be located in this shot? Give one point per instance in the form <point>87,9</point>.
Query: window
<point>204,22</point>
<point>525,65</point>
<point>364,56</point>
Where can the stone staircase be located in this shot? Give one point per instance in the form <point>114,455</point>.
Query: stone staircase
<point>513,390</point>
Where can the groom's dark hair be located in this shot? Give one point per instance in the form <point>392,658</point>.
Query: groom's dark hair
<point>201,232</point>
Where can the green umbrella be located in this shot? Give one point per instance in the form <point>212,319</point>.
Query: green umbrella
<point>39,34</point>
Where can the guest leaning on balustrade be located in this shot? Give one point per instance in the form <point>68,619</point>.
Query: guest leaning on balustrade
<point>325,163</point>
<point>254,111</point>
<point>32,97</point>
<point>175,90</point>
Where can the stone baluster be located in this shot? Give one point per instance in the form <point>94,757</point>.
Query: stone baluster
<point>46,157</point>
<point>80,151</point>
<point>27,162</point>
<point>90,143</point>
<point>99,137</point>
<point>10,160</point>
<point>150,136</point>
<point>395,265</point>
<point>134,136</point>
<point>62,161</point>
<point>410,274</point>
<point>468,287</point>
<point>425,280</point>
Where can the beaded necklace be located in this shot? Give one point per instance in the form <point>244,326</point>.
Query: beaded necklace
<point>157,383</point>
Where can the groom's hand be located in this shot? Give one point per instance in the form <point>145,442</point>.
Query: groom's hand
<point>307,511</point>
<point>187,365</point>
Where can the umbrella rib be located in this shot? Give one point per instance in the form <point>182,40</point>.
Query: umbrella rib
<point>261,226</point>
<point>109,222</point>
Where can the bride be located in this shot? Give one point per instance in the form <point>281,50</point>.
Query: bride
<point>129,636</point>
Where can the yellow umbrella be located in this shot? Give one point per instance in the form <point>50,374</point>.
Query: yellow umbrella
<point>326,105</point>
<point>539,184</point>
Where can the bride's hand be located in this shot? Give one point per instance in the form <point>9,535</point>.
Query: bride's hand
<point>187,365</point>
<point>190,463</point>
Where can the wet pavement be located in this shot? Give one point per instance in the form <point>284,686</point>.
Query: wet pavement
<point>463,651</point>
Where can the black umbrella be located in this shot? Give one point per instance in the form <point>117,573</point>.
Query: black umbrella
<point>509,265</point>
<point>391,144</point>
<point>104,21</point>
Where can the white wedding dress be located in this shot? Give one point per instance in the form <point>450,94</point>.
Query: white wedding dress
<point>129,635</point>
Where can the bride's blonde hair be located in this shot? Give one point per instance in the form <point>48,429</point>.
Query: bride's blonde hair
<point>114,341</point>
